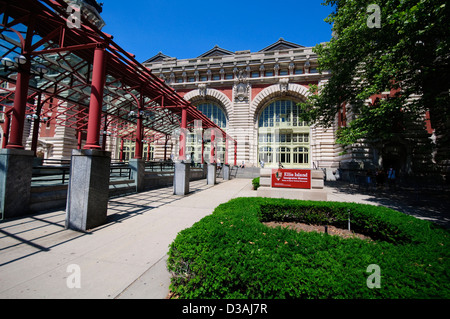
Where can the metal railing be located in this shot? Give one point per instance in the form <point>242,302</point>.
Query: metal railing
<point>159,166</point>
<point>119,170</point>
<point>49,175</point>
<point>57,172</point>
<point>55,162</point>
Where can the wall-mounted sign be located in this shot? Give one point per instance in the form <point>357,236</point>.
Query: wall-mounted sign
<point>291,178</point>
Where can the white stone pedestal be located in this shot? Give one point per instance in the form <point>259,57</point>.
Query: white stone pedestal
<point>211,177</point>
<point>226,172</point>
<point>181,178</point>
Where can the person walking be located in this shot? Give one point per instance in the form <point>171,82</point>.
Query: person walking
<point>391,178</point>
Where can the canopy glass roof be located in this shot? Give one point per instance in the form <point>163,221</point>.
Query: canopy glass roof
<point>61,66</point>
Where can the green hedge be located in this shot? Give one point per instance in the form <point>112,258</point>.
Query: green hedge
<point>232,254</point>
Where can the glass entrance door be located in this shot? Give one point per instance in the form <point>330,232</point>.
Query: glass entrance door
<point>282,137</point>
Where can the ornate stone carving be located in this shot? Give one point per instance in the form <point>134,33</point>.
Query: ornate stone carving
<point>307,64</point>
<point>197,75</point>
<point>291,68</point>
<point>284,85</point>
<point>276,68</point>
<point>202,90</point>
<point>172,78</point>
<point>241,88</point>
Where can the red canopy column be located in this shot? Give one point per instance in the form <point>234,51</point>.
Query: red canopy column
<point>96,102</point>
<point>36,125</point>
<point>213,148</point>
<point>226,173</point>
<point>121,149</point>
<point>138,148</point>
<point>181,174</point>
<point>226,150</point>
<point>87,196</point>
<point>79,139</point>
<point>183,134</point>
<point>20,105</point>
<point>6,127</point>
<point>16,162</point>
<point>235,153</point>
<point>203,150</point>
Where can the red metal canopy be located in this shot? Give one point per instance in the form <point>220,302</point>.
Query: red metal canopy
<point>134,101</point>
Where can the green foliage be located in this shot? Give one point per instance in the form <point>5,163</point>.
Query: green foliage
<point>232,254</point>
<point>408,54</point>
<point>255,183</point>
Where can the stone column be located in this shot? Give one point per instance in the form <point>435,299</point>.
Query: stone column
<point>88,191</point>
<point>137,166</point>
<point>226,172</point>
<point>181,178</point>
<point>211,177</point>
<point>16,167</point>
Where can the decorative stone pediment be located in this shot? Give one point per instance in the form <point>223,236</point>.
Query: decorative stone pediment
<point>216,51</point>
<point>281,44</point>
<point>157,58</point>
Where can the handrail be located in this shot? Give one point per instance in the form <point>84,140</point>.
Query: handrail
<point>161,165</point>
<point>61,174</point>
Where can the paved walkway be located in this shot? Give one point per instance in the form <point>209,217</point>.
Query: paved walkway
<point>125,258</point>
<point>432,205</point>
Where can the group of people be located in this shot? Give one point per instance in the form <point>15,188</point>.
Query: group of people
<point>380,176</point>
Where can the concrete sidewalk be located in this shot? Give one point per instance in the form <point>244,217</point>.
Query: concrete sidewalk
<point>126,258</point>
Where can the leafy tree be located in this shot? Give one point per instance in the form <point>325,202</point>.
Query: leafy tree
<point>407,55</point>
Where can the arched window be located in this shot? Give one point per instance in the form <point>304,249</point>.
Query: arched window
<point>282,136</point>
<point>220,153</point>
<point>149,152</point>
<point>265,154</point>
<point>281,113</point>
<point>214,113</point>
<point>128,151</point>
<point>301,155</point>
<point>284,155</point>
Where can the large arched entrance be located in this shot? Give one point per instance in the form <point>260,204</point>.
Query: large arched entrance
<point>217,114</point>
<point>282,136</point>
<point>395,156</point>
<point>217,107</point>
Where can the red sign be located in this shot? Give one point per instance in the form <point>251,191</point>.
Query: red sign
<point>291,178</point>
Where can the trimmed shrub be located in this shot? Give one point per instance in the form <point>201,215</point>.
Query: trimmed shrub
<point>255,183</point>
<point>232,254</point>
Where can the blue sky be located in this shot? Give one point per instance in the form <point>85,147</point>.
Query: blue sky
<point>186,29</point>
